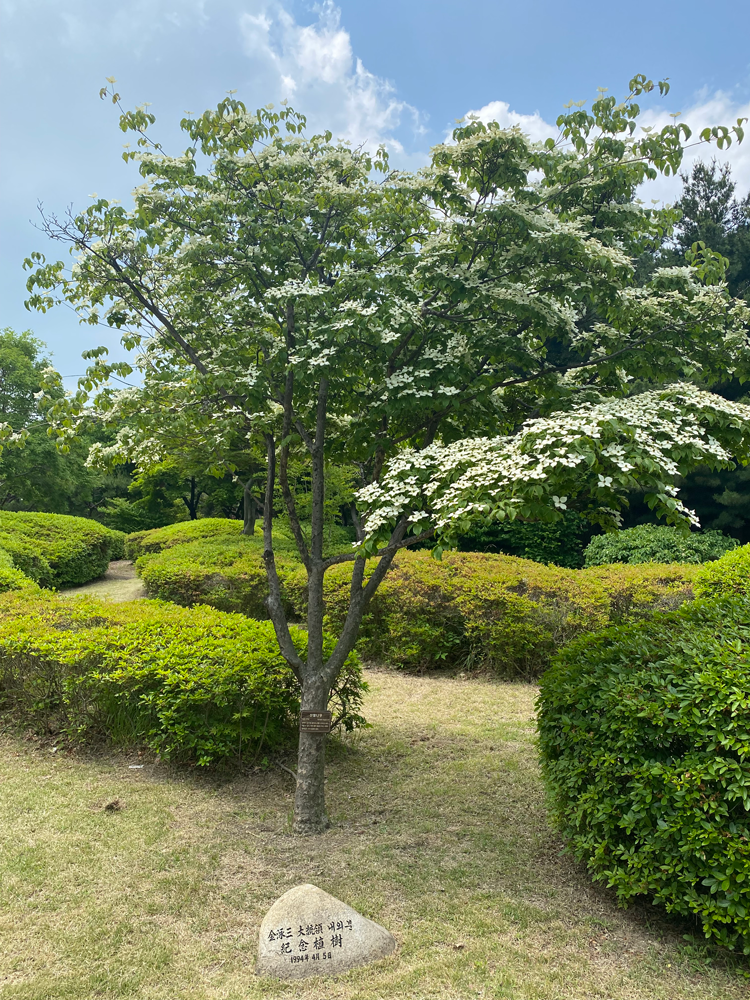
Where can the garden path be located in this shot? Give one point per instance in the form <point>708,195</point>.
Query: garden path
<point>118,584</point>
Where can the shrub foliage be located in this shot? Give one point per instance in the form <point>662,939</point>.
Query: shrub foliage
<point>56,550</point>
<point>645,742</point>
<point>10,577</point>
<point>657,543</point>
<point>728,575</point>
<point>196,685</point>
<point>470,610</point>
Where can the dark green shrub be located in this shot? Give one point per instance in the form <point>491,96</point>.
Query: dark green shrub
<point>645,742</point>
<point>561,543</point>
<point>728,575</point>
<point>195,685</point>
<point>56,550</point>
<point>657,543</point>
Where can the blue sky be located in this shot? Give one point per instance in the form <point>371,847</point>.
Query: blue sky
<point>398,71</point>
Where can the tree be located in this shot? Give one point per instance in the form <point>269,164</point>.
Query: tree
<point>36,476</point>
<point>463,338</point>
<point>711,214</point>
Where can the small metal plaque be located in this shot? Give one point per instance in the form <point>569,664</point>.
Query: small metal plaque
<point>314,722</point>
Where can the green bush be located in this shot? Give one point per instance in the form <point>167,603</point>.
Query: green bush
<point>210,561</point>
<point>493,612</point>
<point>196,685</point>
<point>56,550</point>
<point>470,610</point>
<point>657,543</point>
<point>645,743</point>
<point>11,578</point>
<point>728,575</point>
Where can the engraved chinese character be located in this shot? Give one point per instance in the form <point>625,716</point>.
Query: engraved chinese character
<point>336,941</point>
<point>318,929</point>
<point>309,929</point>
<point>302,945</point>
<point>272,935</point>
<point>286,948</point>
<point>301,931</point>
<point>318,943</point>
<point>281,933</point>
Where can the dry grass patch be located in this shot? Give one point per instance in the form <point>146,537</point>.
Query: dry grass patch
<point>439,833</point>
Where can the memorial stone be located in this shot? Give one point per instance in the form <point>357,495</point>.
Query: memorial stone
<point>307,932</point>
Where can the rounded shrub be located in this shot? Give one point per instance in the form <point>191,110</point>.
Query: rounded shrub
<point>645,744</point>
<point>10,577</point>
<point>657,543</point>
<point>193,684</point>
<point>478,611</point>
<point>56,550</point>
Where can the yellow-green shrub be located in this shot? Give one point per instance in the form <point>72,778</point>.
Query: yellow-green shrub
<point>474,610</point>
<point>498,612</point>
<point>728,575</point>
<point>56,550</point>
<point>210,561</point>
<point>194,684</point>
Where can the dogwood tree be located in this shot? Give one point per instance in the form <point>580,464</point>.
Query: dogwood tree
<point>469,338</point>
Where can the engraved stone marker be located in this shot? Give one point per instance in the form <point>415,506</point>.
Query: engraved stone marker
<point>307,932</point>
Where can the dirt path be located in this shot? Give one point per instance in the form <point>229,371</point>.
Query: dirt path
<point>118,584</point>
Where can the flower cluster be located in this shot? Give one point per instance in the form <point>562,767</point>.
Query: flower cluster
<point>598,451</point>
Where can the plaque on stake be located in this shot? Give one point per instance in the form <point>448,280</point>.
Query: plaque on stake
<point>314,722</point>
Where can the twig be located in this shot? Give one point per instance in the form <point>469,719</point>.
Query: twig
<point>287,769</point>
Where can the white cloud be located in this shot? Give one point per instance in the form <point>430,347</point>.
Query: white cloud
<point>708,110</point>
<point>716,109</point>
<point>532,125</point>
<point>314,65</point>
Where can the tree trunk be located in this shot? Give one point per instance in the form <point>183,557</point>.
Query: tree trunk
<point>310,815</point>
<point>250,509</point>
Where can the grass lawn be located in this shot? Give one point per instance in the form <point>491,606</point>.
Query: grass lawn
<point>439,833</point>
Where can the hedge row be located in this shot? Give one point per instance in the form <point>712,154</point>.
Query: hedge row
<point>470,610</point>
<point>55,550</point>
<point>645,742</point>
<point>196,685</point>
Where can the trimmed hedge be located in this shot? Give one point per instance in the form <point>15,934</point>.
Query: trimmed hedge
<point>497,613</point>
<point>657,543</point>
<point>645,743</point>
<point>470,610</point>
<point>196,685</point>
<point>55,550</point>
<point>11,578</point>
<point>728,575</point>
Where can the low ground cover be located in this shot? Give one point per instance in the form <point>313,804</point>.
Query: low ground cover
<point>439,833</point>
<point>55,550</point>
<point>470,610</point>
<point>195,684</point>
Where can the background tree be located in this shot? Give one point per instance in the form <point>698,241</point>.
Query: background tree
<point>38,476</point>
<point>405,328</point>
